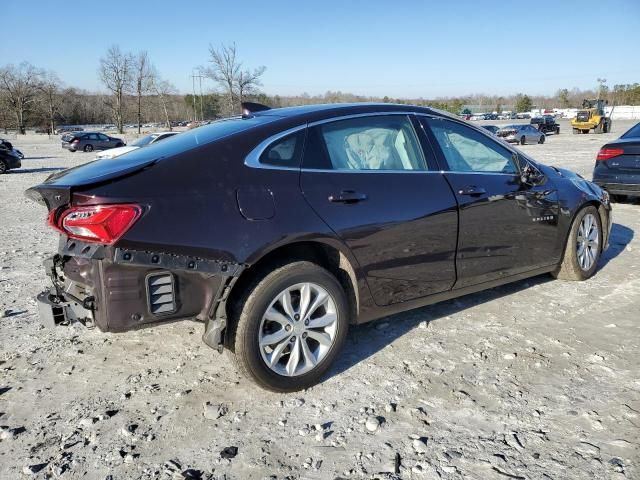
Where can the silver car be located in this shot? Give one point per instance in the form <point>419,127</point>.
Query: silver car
<point>521,133</point>
<point>90,141</point>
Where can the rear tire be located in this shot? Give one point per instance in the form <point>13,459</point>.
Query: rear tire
<point>523,140</point>
<point>583,243</point>
<point>251,326</point>
<point>88,148</point>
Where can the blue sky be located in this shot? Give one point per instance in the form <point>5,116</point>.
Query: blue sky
<point>396,48</point>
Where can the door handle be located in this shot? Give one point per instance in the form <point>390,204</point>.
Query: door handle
<point>348,196</point>
<point>472,190</point>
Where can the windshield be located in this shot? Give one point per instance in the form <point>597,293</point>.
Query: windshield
<point>142,141</point>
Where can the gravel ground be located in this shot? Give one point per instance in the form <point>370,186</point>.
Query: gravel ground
<point>535,380</point>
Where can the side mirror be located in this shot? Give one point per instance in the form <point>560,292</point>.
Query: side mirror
<point>529,175</point>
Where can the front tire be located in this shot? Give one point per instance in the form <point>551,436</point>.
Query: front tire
<point>3,167</point>
<point>583,249</point>
<point>289,326</point>
<point>523,140</point>
<point>542,139</point>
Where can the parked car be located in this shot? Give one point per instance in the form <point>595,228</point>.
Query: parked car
<point>491,128</point>
<point>9,160</point>
<point>6,145</point>
<point>546,124</point>
<point>279,229</point>
<point>140,142</point>
<point>521,133</point>
<point>90,141</point>
<point>617,168</point>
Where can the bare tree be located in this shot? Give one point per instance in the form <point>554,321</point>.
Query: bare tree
<point>144,73</point>
<point>50,89</point>
<point>224,70</point>
<point>163,89</point>
<point>19,87</point>
<point>116,73</point>
<point>248,82</point>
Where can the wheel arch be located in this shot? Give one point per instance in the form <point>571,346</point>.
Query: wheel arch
<point>602,213</point>
<point>327,253</point>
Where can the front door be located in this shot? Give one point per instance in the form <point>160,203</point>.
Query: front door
<point>368,178</point>
<point>506,226</point>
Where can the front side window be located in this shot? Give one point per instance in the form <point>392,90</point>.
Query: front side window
<point>365,143</point>
<point>467,150</point>
<point>102,137</point>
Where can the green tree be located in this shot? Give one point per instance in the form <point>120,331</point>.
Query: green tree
<point>523,103</point>
<point>563,97</point>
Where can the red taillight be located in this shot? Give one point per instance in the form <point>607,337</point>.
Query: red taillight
<point>100,223</point>
<point>77,140</point>
<point>607,153</point>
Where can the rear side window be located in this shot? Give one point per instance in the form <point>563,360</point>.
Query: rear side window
<point>284,152</point>
<point>467,150</point>
<point>366,143</point>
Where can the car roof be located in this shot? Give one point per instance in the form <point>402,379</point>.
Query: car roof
<point>328,110</point>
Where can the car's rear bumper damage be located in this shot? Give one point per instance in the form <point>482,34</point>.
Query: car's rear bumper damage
<point>117,289</point>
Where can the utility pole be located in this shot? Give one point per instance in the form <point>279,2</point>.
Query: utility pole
<point>193,83</point>
<point>201,109</point>
<point>199,76</point>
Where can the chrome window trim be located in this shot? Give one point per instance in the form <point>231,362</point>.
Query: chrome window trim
<point>252,160</point>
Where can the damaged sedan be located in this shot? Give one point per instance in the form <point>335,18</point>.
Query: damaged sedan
<point>280,228</point>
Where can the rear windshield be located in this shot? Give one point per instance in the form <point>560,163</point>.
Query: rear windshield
<point>196,137</point>
<point>104,168</point>
<point>633,132</point>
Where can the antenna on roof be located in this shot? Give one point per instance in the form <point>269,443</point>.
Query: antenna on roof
<point>248,108</point>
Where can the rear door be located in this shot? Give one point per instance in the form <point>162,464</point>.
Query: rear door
<point>506,226</point>
<point>369,180</point>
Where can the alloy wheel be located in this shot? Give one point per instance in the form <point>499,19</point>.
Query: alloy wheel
<point>588,242</point>
<point>298,329</point>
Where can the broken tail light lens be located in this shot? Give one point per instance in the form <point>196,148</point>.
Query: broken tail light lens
<point>607,153</point>
<point>100,223</point>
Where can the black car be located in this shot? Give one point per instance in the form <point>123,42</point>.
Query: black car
<point>90,141</point>
<point>9,160</point>
<point>546,124</point>
<point>617,168</point>
<point>280,228</point>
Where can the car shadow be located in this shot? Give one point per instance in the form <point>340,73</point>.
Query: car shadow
<point>36,158</point>
<point>36,170</point>
<point>365,340</point>
<point>620,237</point>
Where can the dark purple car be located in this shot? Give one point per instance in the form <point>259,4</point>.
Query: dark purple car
<point>280,228</point>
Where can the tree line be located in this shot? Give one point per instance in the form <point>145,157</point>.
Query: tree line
<point>135,92</point>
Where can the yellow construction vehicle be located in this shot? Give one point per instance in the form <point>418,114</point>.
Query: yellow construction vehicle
<point>592,117</point>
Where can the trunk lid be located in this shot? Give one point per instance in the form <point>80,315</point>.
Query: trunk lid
<point>56,190</point>
<point>629,161</point>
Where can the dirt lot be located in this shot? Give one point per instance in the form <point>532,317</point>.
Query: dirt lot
<point>535,380</point>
